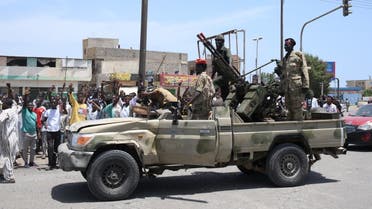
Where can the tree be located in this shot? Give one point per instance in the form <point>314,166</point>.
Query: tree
<point>318,75</point>
<point>367,93</point>
<point>267,77</point>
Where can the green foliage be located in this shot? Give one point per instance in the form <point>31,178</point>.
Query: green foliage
<point>367,93</point>
<point>267,77</point>
<point>317,75</point>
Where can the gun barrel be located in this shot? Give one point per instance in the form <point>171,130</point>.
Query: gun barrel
<point>271,61</point>
<point>231,72</point>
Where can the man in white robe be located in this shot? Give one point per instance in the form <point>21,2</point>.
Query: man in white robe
<point>8,140</point>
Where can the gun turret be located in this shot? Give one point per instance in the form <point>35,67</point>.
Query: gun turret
<point>250,101</point>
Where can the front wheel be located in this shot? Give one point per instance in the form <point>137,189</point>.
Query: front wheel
<point>287,165</point>
<point>113,175</point>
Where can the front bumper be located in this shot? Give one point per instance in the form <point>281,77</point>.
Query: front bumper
<point>70,160</point>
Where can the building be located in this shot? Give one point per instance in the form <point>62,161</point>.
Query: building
<point>103,59</point>
<point>111,61</point>
<point>364,84</point>
<point>40,73</point>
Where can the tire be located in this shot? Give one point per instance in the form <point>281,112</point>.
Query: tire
<point>113,175</point>
<point>287,165</point>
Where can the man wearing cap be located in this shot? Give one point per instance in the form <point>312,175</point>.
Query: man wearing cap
<point>203,94</point>
<point>219,80</point>
<point>294,78</point>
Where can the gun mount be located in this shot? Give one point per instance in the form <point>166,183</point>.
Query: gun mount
<point>252,102</point>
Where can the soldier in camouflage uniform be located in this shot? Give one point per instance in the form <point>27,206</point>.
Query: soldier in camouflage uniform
<point>203,93</point>
<point>294,78</point>
<point>219,81</point>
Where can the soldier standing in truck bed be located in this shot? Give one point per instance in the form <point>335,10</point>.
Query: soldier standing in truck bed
<point>219,81</point>
<point>294,78</point>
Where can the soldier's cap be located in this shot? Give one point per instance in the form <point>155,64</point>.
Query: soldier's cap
<point>200,61</point>
<point>220,37</point>
<point>290,41</point>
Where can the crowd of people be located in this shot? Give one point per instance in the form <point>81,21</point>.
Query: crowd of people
<point>30,126</point>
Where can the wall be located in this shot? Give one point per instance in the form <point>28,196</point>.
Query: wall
<point>98,42</point>
<point>78,70</point>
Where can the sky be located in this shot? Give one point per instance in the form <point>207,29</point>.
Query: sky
<point>56,28</point>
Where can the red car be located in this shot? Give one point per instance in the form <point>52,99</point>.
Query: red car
<point>359,126</point>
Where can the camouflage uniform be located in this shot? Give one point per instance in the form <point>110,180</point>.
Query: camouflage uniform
<point>201,106</point>
<point>295,78</point>
<point>220,81</point>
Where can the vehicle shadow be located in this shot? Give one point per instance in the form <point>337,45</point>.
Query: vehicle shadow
<point>356,148</point>
<point>72,193</point>
<point>166,187</point>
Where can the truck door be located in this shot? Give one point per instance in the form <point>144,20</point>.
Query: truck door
<point>191,142</point>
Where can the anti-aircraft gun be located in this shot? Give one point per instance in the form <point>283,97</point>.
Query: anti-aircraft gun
<point>252,102</point>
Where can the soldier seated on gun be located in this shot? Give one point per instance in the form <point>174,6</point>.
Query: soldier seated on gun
<point>219,80</point>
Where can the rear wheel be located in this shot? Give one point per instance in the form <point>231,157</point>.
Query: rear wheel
<point>113,175</point>
<point>287,165</point>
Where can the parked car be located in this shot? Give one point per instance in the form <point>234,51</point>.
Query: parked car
<point>359,126</point>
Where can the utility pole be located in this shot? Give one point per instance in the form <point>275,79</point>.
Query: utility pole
<point>259,71</point>
<point>142,56</point>
<point>281,29</point>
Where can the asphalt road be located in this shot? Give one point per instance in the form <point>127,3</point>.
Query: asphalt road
<point>332,183</point>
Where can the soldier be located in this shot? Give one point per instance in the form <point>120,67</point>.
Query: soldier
<point>219,81</point>
<point>203,94</point>
<point>294,80</point>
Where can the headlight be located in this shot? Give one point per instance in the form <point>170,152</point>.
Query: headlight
<point>367,126</point>
<point>81,139</point>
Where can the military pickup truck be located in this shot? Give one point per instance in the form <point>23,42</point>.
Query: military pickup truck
<point>112,154</point>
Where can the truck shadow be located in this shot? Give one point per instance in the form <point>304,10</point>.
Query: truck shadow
<point>356,148</point>
<point>165,187</point>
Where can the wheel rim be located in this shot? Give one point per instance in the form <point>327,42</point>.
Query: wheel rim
<point>114,176</point>
<point>289,165</point>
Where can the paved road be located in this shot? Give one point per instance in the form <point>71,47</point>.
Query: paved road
<point>332,184</point>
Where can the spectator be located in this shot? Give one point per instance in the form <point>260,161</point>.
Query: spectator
<point>79,109</point>
<point>113,110</point>
<point>126,107</point>
<point>29,126</point>
<point>94,109</point>
<point>8,140</point>
<point>39,109</point>
<point>63,119</point>
<point>217,99</point>
<point>329,106</point>
<point>52,123</point>
<point>347,103</point>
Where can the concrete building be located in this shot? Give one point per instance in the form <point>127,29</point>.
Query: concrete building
<point>39,73</point>
<point>103,59</point>
<point>364,84</point>
<point>109,60</point>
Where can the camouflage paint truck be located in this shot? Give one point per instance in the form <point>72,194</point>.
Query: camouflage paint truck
<point>112,154</point>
